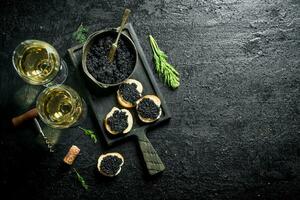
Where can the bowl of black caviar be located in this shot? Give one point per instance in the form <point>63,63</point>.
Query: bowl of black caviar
<point>95,62</point>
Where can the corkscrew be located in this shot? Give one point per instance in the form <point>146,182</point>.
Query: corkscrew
<point>38,126</point>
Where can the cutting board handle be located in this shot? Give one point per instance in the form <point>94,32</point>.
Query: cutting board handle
<point>151,158</point>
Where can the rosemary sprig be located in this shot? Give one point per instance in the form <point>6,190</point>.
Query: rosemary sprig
<point>164,69</point>
<point>89,133</point>
<point>81,180</point>
<point>80,35</point>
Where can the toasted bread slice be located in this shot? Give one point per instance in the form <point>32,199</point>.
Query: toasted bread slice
<point>120,98</point>
<point>129,121</point>
<point>157,101</point>
<point>100,159</point>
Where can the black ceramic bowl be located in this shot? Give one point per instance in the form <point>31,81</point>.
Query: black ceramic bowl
<point>90,44</point>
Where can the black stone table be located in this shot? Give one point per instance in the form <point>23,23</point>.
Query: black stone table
<point>235,127</point>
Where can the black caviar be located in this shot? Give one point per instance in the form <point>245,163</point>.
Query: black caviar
<point>110,165</point>
<point>148,109</point>
<point>99,66</point>
<point>118,121</point>
<point>129,92</point>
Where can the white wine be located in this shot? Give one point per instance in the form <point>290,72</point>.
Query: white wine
<point>37,62</point>
<point>60,106</point>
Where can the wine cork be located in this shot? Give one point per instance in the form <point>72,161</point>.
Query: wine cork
<point>71,155</point>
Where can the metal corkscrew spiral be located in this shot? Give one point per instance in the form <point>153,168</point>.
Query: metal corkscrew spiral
<point>50,147</point>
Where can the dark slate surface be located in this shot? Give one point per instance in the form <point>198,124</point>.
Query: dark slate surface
<point>235,130</point>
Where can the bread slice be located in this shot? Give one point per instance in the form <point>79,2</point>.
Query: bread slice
<point>100,159</point>
<point>120,98</point>
<point>129,121</point>
<point>157,101</point>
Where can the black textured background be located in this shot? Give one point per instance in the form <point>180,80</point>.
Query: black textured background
<point>235,127</point>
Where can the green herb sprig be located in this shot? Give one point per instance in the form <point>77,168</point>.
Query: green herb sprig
<point>89,133</point>
<point>81,180</point>
<point>80,35</point>
<point>164,69</point>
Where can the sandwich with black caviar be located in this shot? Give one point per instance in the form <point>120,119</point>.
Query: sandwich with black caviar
<point>110,164</point>
<point>149,108</point>
<point>118,121</point>
<point>129,92</point>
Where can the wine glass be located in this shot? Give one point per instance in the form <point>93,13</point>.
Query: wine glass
<point>60,106</point>
<point>38,63</point>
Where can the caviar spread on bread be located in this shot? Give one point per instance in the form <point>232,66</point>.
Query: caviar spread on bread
<point>110,164</point>
<point>129,92</point>
<point>118,121</point>
<point>148,108</point>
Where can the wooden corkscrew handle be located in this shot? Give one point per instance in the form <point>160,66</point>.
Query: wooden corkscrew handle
<point>31,114</point>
